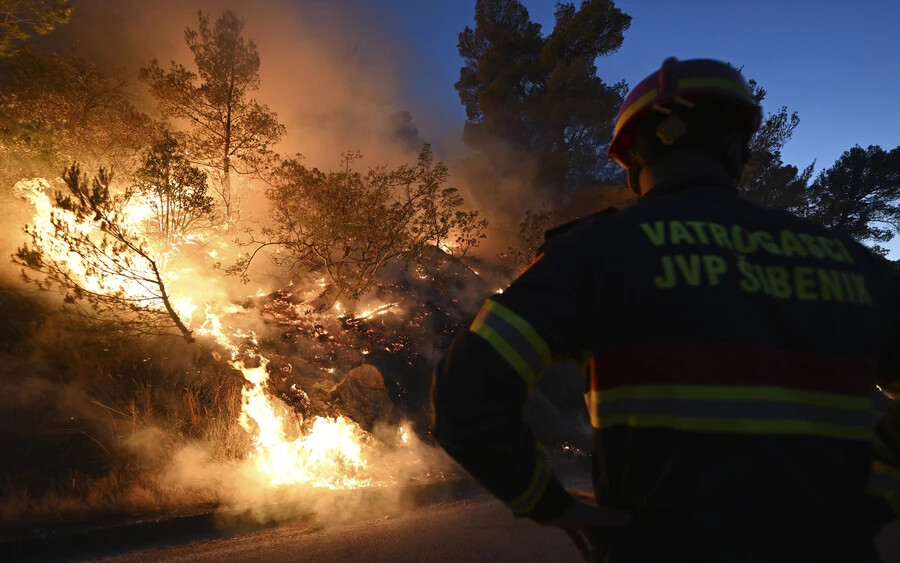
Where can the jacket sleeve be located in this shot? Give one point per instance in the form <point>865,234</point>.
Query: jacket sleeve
<point>486,376</point>
<point>884,482</point>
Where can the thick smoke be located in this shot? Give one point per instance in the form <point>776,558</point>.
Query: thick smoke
<point>325,69</point>
<point>335,82</point>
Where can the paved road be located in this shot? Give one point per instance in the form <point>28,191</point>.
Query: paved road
<point>473,531</point>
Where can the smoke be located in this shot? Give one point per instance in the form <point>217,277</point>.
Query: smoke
<point>334,77</point>
<point>336,82</point>
<point>242,492</point>
<point>328,72</point>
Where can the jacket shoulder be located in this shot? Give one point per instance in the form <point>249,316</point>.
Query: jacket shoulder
<point>581,221</point>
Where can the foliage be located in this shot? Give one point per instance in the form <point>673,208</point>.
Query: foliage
<point>227,131</point>
<point>858,195</point>
<point>766,178</point>
<point>530,239</point>
<point>101,263</point>
<point>540,95</point>
<point>21,19</point>
<point>174,190</point>
<point>533,227</point>
<point>55,110</point>
<point>347,224</point>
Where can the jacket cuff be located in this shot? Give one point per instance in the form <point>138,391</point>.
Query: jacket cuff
<point>552,503</point>
<point>545,497</point>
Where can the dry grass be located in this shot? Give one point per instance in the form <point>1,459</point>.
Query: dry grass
<point>99,498</point>
<point>89,421</point>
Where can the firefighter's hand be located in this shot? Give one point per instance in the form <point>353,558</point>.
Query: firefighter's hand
<point>584,513</point>
<point>582,516</point>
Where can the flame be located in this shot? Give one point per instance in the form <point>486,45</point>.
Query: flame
<point>380,310</point>
<point>331,453</point>
<point>105,277</point>
<point>324,452</point>
<point>327,453</point>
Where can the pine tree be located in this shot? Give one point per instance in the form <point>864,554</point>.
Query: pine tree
<point>539,97</point>
<point>21,19</point>
<point>175,191</point>
<point>859,195</point>
<point>228,132</point>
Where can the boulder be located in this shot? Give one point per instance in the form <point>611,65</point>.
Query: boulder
<point>362,396</point>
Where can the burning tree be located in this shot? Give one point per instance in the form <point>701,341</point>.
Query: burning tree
<point>88,246</point>
<point>348,225</point>
<point>20,19</point>
<point>175,191</point>
<point>55,110</point>
<point>227,131</point>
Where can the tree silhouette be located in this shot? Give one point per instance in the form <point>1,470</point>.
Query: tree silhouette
<point>859,195</point>
<point>537,98</point>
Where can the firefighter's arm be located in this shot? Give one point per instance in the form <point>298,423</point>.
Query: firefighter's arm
<point>477,398</point>
<point>486,376</point>
<point>884,482</point>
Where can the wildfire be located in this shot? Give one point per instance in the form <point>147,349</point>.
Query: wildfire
<point>380,310</point>
<point>287,450</point>
<point>327,453</point>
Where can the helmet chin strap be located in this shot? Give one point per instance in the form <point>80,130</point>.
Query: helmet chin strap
<point>634,174</point>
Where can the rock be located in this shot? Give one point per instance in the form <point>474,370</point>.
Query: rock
<point>363,397</point>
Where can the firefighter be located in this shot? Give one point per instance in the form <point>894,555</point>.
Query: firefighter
<point>732,354</point>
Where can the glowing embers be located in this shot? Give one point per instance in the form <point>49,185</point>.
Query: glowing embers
<point>380,310</point>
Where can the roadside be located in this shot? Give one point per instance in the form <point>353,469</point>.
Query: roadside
<point>114,537</point>
<point>472,530</point>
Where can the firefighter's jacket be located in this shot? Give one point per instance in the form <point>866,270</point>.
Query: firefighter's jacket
<point>733,352</point>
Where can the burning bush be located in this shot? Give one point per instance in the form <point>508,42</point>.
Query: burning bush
<point>348,224</point>
<point>86,243</point>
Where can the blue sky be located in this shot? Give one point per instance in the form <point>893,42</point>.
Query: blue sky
<point>836,63</point>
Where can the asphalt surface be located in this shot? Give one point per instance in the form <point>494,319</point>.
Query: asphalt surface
<point>471,531</point>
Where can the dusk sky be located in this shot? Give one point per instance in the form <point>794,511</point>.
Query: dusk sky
<point>836,63</point>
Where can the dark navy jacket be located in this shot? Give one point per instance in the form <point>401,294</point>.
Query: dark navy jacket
<point>732,352</point>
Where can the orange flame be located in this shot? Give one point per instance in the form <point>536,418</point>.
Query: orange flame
<point>328,452</point>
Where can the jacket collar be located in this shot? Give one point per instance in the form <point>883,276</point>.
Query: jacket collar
<point>672,184</point>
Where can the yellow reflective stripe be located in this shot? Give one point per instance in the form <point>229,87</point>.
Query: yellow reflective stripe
<point>507,352</point>
<point>885,482</point>
<point>711,82</point>
<point>733,426</point>
<point>590,399</point>
<point>881,468</point>
<point>525,503</point>
<point>638,104</point>
<point>523,327</point>
<point>731,393</point>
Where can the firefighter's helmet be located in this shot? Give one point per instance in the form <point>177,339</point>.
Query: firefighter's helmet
<point>685,84</point>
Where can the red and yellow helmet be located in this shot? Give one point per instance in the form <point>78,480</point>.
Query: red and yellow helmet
<point>685,82</point>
